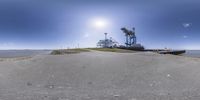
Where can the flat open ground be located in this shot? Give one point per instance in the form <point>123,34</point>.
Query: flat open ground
<point>100,76</point>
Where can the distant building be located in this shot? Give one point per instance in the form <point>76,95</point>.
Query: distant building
<point>107,43</point>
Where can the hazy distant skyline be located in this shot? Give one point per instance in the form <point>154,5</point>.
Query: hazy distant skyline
<point>32,24</point>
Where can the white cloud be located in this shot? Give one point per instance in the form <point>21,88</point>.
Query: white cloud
<point>186,25</point>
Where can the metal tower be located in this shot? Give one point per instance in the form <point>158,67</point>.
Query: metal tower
<point>105,35</point>
<point>130,37</point>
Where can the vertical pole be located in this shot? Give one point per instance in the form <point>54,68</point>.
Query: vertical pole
<point>110,42</point>
<point>105,40</point>
<point>134,37</point>
<point>126,40</point>
<point>130,40</point>
<point>105,35</point>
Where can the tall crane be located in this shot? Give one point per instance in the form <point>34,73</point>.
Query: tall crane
<point>130,37</point>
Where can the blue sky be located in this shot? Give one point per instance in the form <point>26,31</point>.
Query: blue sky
<point>52,24</point>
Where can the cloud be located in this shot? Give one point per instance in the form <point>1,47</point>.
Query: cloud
<point>185,36</point>
<point>186,25</point>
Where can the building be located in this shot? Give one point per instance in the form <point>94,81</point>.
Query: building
<point>107,43</point>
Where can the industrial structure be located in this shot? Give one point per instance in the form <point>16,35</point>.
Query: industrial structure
<point>131,40</point>
<point>130,37</point>
<point>107,43</point>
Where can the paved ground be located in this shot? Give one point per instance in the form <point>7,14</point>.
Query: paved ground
<point>100,76</point>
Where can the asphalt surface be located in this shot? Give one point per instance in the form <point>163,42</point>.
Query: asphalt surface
<point>100,76</point>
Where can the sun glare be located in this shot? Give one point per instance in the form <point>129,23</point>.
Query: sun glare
<point>99,23</point>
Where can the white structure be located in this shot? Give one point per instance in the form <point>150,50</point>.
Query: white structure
<point>107,43</point>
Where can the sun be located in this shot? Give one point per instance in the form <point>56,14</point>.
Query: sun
<point>99,23</point>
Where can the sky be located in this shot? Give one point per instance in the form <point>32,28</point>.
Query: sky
<point>55,24</point>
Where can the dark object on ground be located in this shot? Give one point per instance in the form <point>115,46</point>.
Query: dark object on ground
<point>139,48</point>
<point>163,51</point>
<point>29,84</point>
<point>174,52</point>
